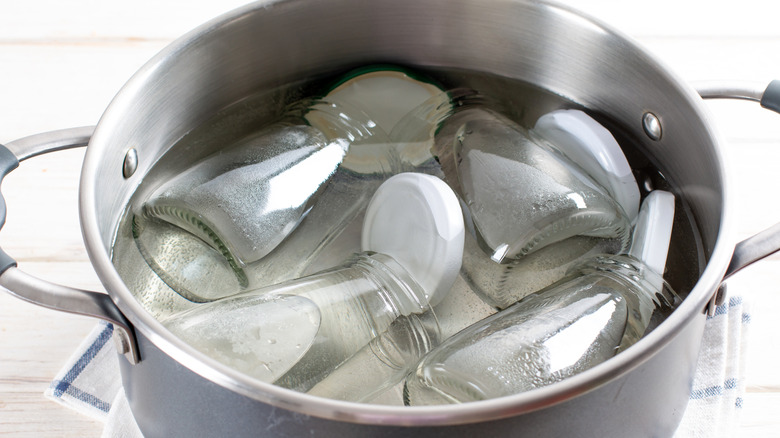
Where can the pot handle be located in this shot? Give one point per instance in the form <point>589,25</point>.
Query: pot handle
<point>44,293</point>
<point>767,96</point>
<point>766,242</point>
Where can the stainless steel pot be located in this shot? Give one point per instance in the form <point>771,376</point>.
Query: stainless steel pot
<point>175,391</point>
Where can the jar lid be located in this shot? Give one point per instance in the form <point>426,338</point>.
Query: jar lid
<point>368,105</point>
<point>653,230</point>
<point>416,219</point>
<point>590,145</point>
<point>385,93</point>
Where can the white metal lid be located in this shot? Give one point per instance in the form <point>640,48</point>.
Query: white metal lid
<point>593,148</point>
<point>416,219</point>
<point>653,230</point>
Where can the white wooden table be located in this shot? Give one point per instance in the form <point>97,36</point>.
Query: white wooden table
<point>62,62</point>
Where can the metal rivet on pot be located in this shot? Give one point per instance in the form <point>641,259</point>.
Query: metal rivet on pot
<point>130,164</point>
<point>121,343</point>
<point>652,126</point>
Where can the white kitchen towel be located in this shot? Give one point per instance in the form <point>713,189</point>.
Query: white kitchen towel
<point>719,384</point>
<point>90,382</point>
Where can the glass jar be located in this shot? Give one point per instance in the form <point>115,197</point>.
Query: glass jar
<point>601,309</point>
<point>296,333</point>
<point>520,193</point>
<point>531,213</point>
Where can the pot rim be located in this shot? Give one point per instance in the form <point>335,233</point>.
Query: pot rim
<point>692,306</point>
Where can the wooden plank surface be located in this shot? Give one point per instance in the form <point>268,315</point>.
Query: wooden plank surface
<point>62,62</point>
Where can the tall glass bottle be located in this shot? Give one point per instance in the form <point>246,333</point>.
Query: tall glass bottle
<point>263,210</point>
<point>602,308</point>
<point>296,333</point>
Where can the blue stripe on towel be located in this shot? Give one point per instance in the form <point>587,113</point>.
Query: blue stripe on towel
<point>65,385</point>
<point>80,395</point>
<point>713,391</point>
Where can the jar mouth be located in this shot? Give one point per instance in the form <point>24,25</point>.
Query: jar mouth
<point>635,275</point>
<point>418,334</point>
<point>392,278</point>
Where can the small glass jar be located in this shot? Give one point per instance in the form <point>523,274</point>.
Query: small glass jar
<point>604,307</point>
<point>520,193</point>
<point>201,231</point>
<point>296,333</point>
<point>531,212</point>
